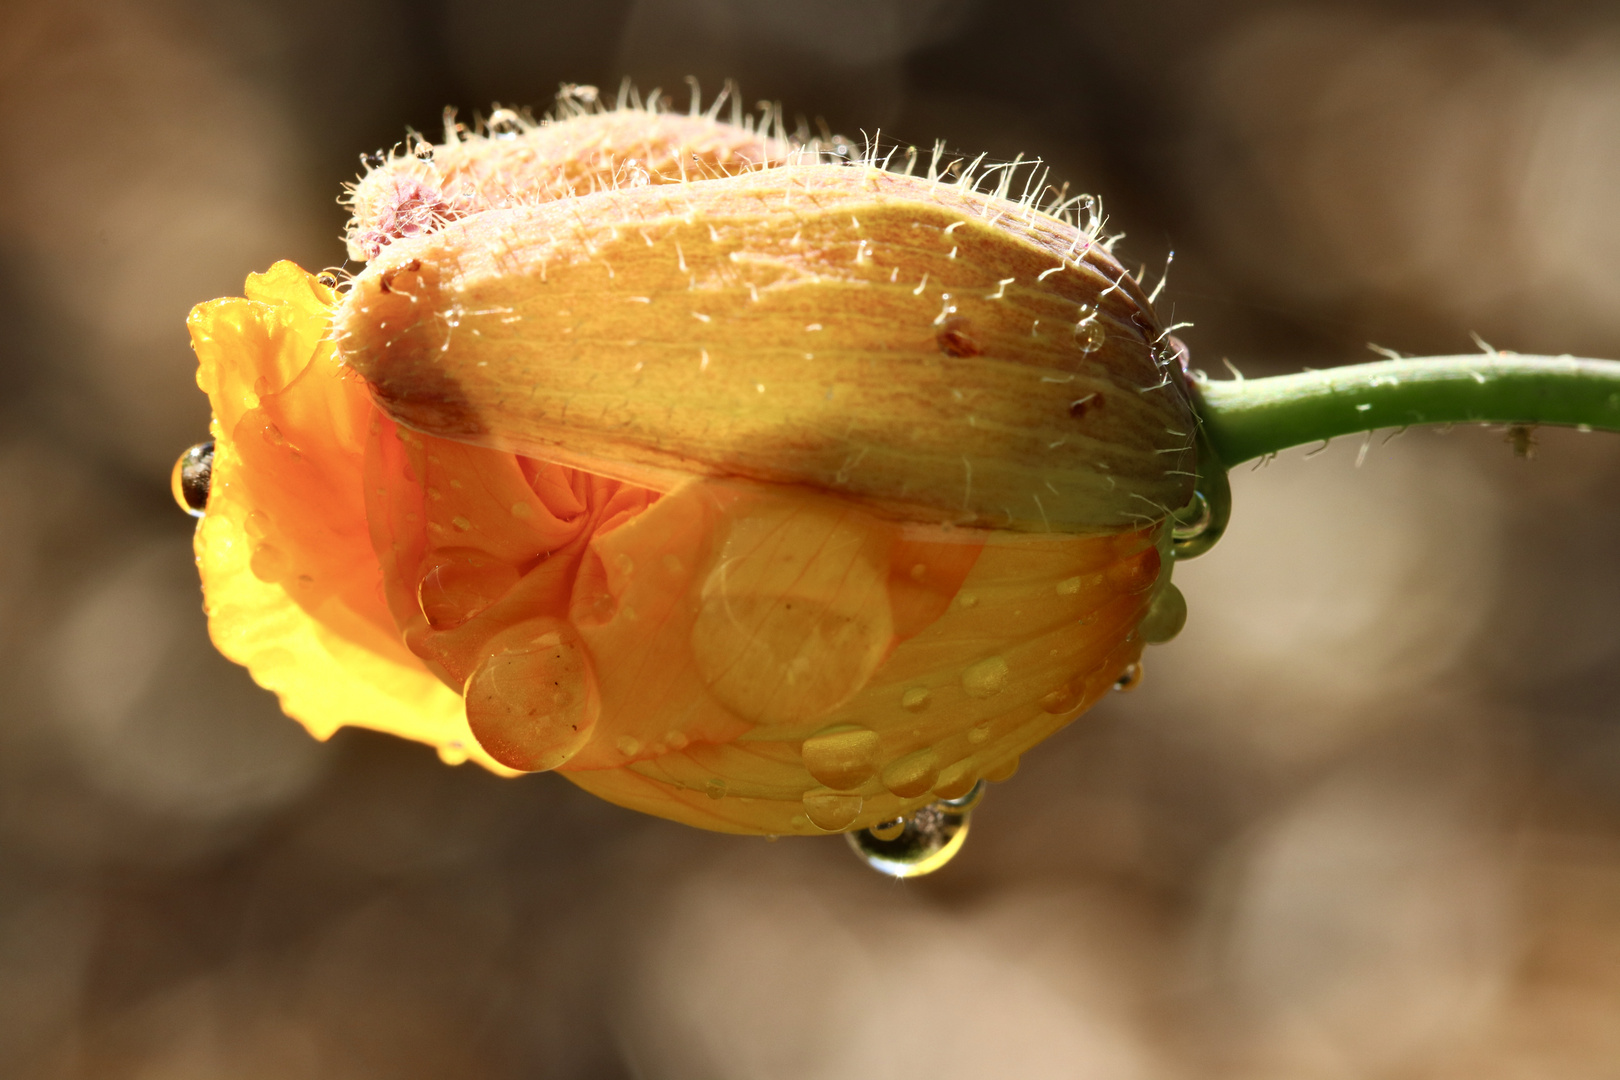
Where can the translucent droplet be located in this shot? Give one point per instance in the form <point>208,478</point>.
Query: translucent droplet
<point>532,701</point>
<point>888,830</point>
<point>628,745</point>
<point>956,780</point>
<point>1089,334</point>
<point>504,124</point>
<point>1192,520</point>
<point>979,734</point>
<point>927,840</point>
<point>191,476</point>
<point>913,774</point>
<point>985,679</point>
<point>842,757</point>
<point>914,700</point>
<point>461,582</point>
<point>795,615</point>
<point>268,564</point>
<point>831,811</point>
<point>716,789</point>
<point>1130,678</point>
<point>967,600</point>
<point>1165,617</point>
<point>453,753</point>
<point>1064,699</point>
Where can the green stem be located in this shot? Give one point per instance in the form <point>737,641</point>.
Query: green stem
<point>1248,418</point>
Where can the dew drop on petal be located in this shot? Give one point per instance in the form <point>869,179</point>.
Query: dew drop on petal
<point>985,679</point>
<point>191,476</point>
<point>716,789</point>
<point>461,582</point>
<point>831,811</point>
<point>926,841</point>
<point>913,774</point>
<point>842,757</point>
<point>914,700</point>
<point>531,701</point>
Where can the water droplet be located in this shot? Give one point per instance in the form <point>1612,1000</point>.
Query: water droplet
<point>522,511</point>
<point>273,435</point>
<point>1089,334</point>
<point>1165,617</point>
<point>676,740</point>
<point>794,616</point>
<point>716,789</point>
<point>985,679</point>
<point>967,600</point>
<point>628,745</point>
<point>1130,678</point>
<point>453,753</point>
<point>624,564</point>
<point>1065,698</point>
<point>831,811</point>
<point>461,523</point>
<point>914,700</point>
<point>461,582</point>
<point>1192,520</point>
<point>532,701</point>
<point>504,124</point>
<point>673,564</point>
<point>888,830</point>
<point>927,840</point>
<point>956,780</point>
<point>913,774</point>
<point>842,757</point>
<point>268,564</point>
<point>191,476</point>
<point>1069,587</point>
<point>257,525</point>
<point>979,734</point>
<point>918,572</point>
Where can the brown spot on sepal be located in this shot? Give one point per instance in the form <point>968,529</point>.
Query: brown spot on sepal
<point>954,340</point>
<point>1079,408</point>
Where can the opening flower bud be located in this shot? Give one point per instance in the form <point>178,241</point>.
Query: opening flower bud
<point>765,494</point>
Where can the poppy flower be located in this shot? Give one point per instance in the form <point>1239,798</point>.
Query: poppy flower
<point>764,493</point>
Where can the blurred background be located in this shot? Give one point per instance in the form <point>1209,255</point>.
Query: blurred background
<point>1361,820</point>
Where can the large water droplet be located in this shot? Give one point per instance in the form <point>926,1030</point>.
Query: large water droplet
<point>1165,617</point>
<point>532,702</point>
<point>191,476</point>
<point>461,582</point>
<point>842,757</point>
<point>795,615</point>
<point>928,840</point>
<point>913,774</point>
<point>831,810</point>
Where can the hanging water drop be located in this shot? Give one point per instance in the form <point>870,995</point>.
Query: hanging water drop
<point>1165,617</point>
<point>191,476</point>
<point>1130,678</point>
<point>923,843</point>
<point>504,124</point>
<point>1191,521</point>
